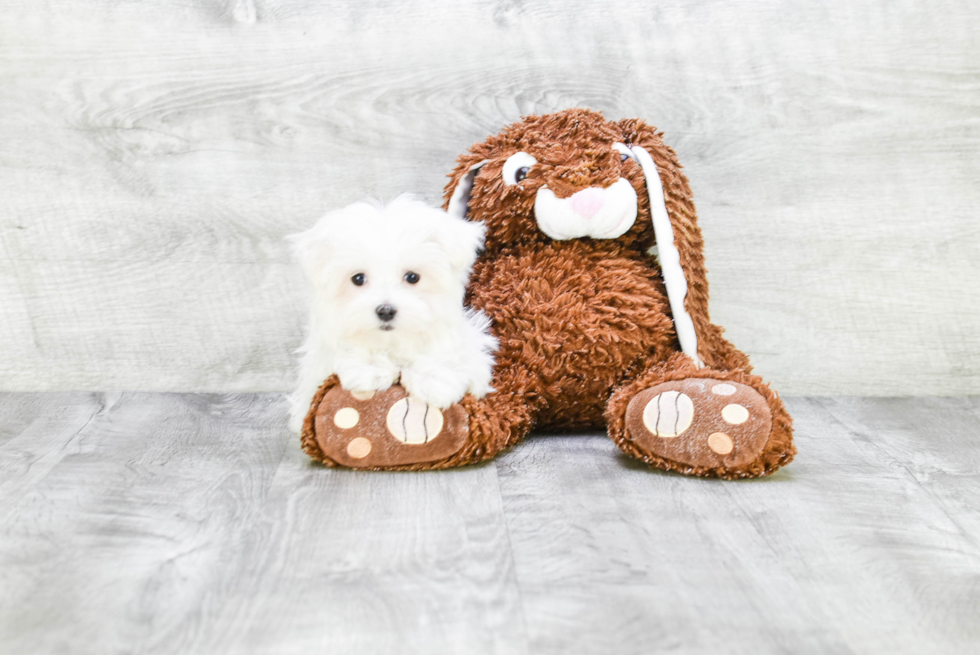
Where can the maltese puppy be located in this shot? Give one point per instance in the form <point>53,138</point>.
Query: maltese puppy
<point>387,290</point>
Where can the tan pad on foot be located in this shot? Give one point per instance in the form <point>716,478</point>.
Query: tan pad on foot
<point>386,428</point>
<point>700,422</point>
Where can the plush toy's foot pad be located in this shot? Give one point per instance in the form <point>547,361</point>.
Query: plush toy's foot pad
<point>386,428</point>
<point>700,422</point>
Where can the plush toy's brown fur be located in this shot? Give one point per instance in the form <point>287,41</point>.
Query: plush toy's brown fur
<point>585,325</point>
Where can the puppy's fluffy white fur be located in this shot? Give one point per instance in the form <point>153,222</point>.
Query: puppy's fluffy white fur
<point>436,348</point>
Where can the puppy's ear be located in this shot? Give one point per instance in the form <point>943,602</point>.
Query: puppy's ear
<point>462,240</point>
<point>311,248</point>
<point>333,235</point>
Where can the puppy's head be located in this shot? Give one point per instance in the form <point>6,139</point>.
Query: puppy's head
<point>399,269</point>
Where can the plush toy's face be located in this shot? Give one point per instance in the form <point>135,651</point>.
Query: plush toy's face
<point>564,176</point>
<point>566,204</point>
<point>574,176</point>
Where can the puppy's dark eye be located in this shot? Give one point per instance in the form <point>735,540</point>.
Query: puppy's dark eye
<point>412,277</point>
<point>521,173</point>
<point>359,279</point>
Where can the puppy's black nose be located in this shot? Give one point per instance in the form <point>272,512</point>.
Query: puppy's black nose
<point>386,312</point>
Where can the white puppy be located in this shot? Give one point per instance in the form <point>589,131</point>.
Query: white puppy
<point>388,285</point>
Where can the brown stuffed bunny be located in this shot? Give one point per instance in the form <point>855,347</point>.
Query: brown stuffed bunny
<point>594,278</point>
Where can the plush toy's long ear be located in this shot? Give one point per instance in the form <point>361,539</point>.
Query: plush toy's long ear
<point>679,242</point>
<point>669,257</point>
<point>460,199</point>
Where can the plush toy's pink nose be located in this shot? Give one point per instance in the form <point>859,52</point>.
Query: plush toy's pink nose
<point>588,201</point>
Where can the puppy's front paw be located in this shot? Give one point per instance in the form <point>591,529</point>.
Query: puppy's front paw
<point>366,377</point>
<point>480,389</point>
<point>434,386</point>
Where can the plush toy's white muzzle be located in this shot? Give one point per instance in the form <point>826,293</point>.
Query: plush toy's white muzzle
<point>594,212</point>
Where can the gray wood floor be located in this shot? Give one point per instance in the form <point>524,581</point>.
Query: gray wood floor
<point>186,523</point>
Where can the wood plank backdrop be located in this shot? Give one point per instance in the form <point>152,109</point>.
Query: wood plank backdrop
<point>154,154</point>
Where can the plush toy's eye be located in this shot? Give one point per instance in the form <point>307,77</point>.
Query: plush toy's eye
<point>624,151</point>
<point>412,277</point>
<point>359,279</point>
<point>517,167</point>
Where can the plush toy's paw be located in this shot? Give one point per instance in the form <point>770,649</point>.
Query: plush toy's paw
<point>386,428</point>
<point>700,422</point>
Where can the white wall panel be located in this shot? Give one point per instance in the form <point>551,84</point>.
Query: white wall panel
<point>154,154</point>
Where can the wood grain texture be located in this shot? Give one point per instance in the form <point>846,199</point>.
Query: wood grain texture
<point>123,537</point>
<point>154,154</point>
<point>355,562</point>
<point>183,523</point>
<point>867,544</point>
<point>194,524</point>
